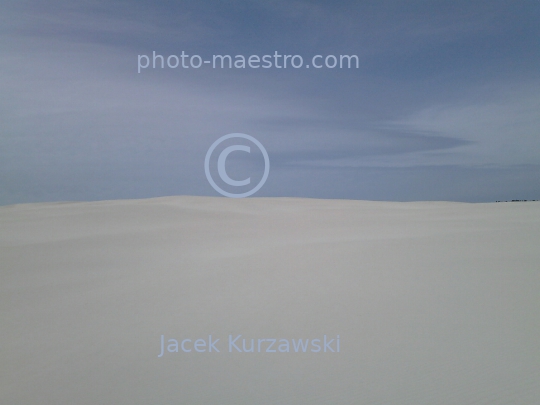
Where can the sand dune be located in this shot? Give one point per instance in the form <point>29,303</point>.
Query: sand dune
<point>433,302</point>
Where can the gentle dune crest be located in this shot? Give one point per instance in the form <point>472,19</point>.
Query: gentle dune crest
<point>433,302</point>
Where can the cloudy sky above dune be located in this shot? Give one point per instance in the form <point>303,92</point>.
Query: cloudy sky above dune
<point>445,103</point>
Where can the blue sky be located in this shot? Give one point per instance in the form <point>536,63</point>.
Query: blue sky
<point>445,104</point>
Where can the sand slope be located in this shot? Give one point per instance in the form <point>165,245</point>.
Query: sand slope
<point>434,303</point>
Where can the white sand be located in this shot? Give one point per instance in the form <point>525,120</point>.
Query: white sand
<point>435,303</point>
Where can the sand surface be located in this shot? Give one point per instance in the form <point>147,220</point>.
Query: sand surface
<point>434,302</point>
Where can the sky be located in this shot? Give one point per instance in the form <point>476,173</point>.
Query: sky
<point>444,104</point>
